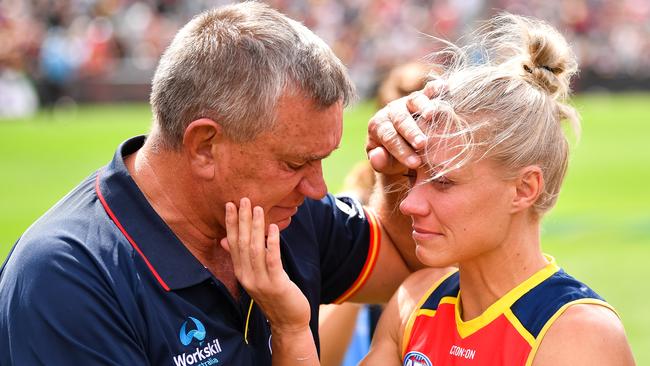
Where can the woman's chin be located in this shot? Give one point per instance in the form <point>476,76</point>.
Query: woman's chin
<point>432,257</point>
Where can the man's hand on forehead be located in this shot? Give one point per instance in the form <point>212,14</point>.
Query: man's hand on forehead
<point>395,141</point>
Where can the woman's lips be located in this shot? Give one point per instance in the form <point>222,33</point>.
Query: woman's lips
<point>420,233</point>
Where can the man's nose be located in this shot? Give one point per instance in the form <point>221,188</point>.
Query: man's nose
<point>313,184</point>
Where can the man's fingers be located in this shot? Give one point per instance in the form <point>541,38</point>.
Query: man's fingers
<point>434,88</point>
<point>416,103</point>
<point>397,132</point>
<point>394,136</point>
<point>379,159</point>
<point>387,130</point>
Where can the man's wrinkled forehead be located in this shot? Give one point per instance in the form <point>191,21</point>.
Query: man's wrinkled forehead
<point>309,130</point>
<point>307,148</point>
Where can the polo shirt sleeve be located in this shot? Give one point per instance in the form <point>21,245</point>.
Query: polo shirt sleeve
<point>58,308</point>
<point>349,245</point>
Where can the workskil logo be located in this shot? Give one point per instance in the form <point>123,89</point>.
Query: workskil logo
<point>198,333</point>
<point>204,354</point>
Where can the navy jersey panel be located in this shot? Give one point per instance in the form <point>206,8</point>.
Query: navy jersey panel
<point>339,239</point>
<point>58,292</point>
<point>324,250</point>
<point>101,279</point>
<point>448,287</point>
<point>537,306</point>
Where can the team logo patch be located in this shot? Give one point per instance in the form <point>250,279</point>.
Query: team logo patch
<point>205,353</point>
<point>415,358</point>
<point>198,333</point>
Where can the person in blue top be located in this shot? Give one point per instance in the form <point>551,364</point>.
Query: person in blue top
<point>127,269</point>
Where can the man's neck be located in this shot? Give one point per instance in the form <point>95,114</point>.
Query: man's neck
<point>164,183</point>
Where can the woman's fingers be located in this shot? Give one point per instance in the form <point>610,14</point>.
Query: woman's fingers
<point>257,246</point>
<point>247,244</point>
<point>244,237</point>
<point>258,266</point>
<point>273,258</point>
<point>232,235</point>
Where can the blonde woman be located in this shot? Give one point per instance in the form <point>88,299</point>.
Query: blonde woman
<point>493,165</point>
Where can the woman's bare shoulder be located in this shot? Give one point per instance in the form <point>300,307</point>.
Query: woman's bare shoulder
<point>585,334</point>
<point>416,286</point>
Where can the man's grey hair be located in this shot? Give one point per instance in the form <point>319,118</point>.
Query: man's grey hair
<point>232,63</point>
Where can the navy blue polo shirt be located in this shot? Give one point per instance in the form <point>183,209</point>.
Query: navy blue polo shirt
<point>101,279</point>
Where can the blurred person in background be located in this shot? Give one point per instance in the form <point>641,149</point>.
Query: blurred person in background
<point>128,269</point>
<point>610,36</point>
<point>58,59</point>
<point>18,97</point>
<point>493,165</point>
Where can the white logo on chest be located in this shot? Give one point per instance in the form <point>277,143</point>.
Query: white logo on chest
<point>462,352</point>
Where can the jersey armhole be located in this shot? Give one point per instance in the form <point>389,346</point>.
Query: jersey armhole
<point>371,259</point>
<point>558,313</point>
<point>406,338</point>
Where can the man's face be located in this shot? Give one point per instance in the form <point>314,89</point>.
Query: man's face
<point>281,167</point>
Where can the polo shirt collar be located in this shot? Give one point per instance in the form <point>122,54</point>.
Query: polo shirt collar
<point>168,259</point>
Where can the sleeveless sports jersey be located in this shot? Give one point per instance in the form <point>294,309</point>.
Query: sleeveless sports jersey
<point>507,333</point>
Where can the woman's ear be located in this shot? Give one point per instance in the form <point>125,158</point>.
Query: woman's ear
<point>199,141</point>
<point>529,186</point>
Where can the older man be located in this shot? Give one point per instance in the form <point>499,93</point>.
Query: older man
<point>127,269</point>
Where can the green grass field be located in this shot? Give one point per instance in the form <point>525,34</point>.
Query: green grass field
<point>599,232</point>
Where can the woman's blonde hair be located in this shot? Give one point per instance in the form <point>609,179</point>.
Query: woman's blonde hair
<point>505,101</point>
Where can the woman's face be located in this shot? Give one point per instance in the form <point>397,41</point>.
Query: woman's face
<point>463,214</point>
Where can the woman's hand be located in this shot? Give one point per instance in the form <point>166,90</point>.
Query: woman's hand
<point>258,269</point>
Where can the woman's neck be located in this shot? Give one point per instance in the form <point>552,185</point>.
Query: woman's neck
<point>486,278</point>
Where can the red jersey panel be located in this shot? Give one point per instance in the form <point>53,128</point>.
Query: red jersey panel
<point>507,333</point>
<point>433,336</point>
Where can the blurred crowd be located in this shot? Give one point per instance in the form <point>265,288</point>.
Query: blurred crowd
<point>48,47</point>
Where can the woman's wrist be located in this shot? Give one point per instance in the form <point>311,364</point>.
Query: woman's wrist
<point>288,331</point>
<point>293,345</point>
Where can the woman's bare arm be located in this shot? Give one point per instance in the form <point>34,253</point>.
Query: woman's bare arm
<point>386,347</point>
<point>585,335</point>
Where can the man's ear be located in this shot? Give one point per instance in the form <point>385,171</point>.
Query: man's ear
<point>529,186</point>
<point>199,141</point>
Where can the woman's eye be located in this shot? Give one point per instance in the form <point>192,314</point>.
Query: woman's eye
<point>442,183</point>
<point>411,175</point>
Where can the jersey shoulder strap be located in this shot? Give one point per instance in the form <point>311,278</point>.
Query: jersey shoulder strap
<point>535,308</point>
<point>448,285</point>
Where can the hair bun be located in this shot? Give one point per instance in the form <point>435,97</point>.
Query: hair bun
<point>549,62</point>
